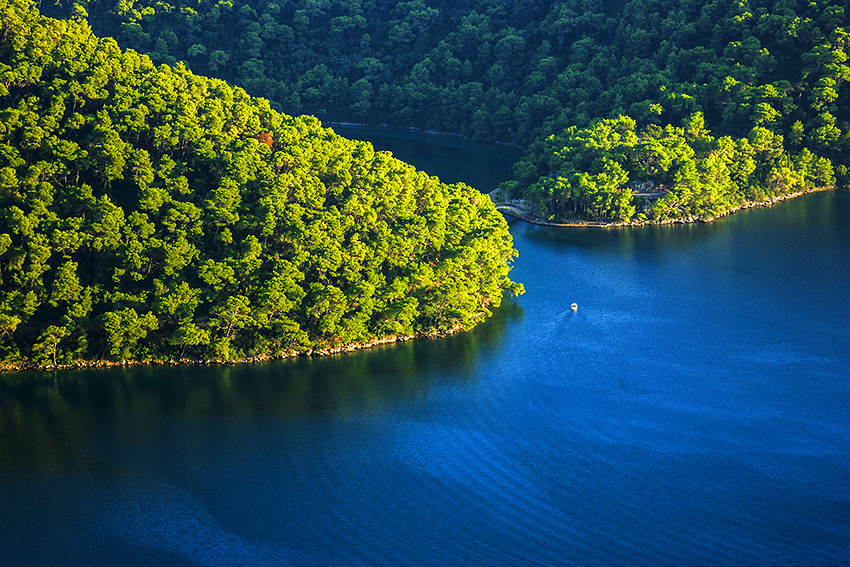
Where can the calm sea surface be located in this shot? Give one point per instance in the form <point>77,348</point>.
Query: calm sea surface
<point>694,411</point>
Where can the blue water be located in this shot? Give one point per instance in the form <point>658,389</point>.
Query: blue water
<point>692,411</point>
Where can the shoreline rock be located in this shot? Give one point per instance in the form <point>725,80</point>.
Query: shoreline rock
<point>329,351</point>
<point>519,213</point>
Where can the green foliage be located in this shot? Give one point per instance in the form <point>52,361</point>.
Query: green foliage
<point>607,171</point>
<point>510,71</point>
<point>124,329</point>
<point>737,69</point>
<point>46,348</point>
<point>523,72</point>
<point>149,212</point>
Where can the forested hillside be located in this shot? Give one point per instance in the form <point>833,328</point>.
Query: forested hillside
<point>148,212</point>
<point>757,71</point>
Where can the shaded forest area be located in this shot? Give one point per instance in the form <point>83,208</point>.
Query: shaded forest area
<point>767,76</point>
<point>148,212</point>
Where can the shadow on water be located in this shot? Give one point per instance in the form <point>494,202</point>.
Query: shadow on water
<point>452,159</point>
<point>44,414</point>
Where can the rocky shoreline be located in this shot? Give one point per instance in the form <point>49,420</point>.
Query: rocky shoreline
<point>517,210</point>
<point>514,209</point>
<point>329,351</point>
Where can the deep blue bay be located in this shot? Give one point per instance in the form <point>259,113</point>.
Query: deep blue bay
<point>693,411</point>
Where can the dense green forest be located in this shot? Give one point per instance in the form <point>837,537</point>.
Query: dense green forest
<point>148,212</point>
<point>766,79</point>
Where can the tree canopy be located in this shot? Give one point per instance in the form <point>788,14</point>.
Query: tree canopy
<point>526,72</point>
<point>149,212</point>
<point>613,171</point>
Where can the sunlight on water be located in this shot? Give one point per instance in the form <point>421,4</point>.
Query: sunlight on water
<point>153,514</point>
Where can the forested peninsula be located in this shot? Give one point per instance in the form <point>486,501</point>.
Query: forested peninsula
<point>151,212</point>
<point>147,212</point>
<point>630,111</point>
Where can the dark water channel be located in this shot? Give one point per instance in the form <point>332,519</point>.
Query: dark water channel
<point>453,159</point>
<point>693,411</point>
